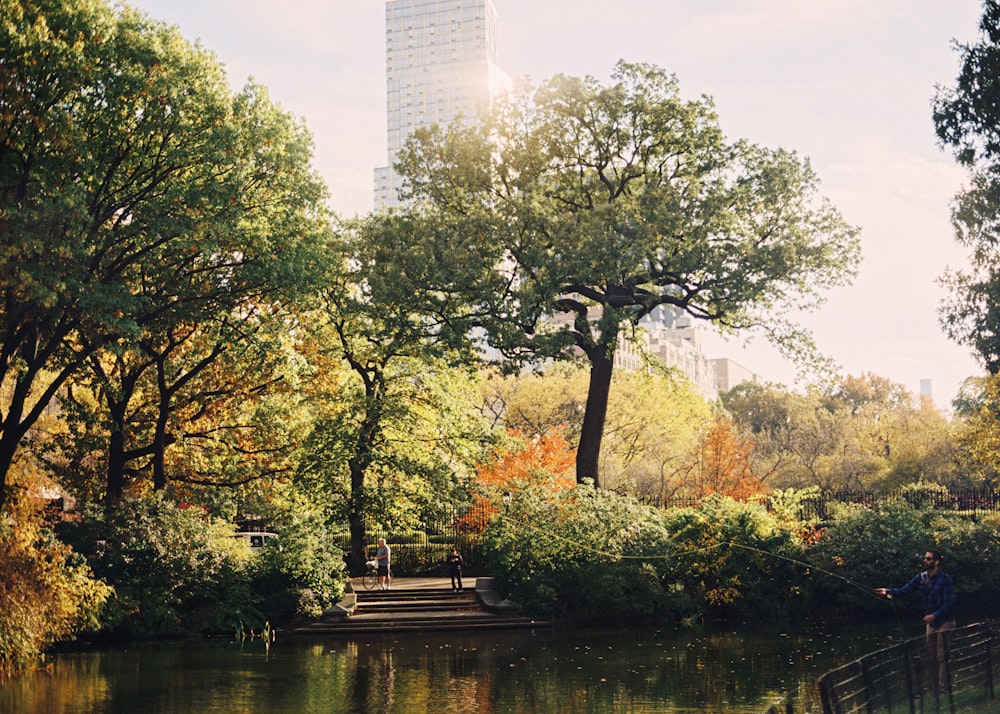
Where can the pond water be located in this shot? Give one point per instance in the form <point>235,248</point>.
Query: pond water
<point>546,670</point>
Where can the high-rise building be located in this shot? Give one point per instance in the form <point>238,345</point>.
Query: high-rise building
<point>440,61</point>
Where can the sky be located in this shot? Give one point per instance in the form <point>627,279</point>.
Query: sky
<point>847,84</point>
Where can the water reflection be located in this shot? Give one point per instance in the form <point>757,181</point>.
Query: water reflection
<point>518,671</point>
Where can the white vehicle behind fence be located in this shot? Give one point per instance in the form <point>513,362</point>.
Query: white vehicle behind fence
<point>256,540</point>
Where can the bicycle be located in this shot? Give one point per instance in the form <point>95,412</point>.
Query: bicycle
<point>370,578</point>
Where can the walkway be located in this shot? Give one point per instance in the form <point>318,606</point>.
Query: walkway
<point>443,583</point>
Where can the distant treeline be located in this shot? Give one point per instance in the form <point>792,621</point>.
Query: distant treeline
<point>972,501</point>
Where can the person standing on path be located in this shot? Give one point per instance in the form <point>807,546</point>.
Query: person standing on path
<point>382,557</point>
<point>455,562</point>
<point>938,592</point>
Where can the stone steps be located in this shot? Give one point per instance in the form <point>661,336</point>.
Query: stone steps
<point>359,624</point>
<point>415,599</point>
<point>411,609</point>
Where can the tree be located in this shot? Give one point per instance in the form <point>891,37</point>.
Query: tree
<point>653,421</point>
<point>534,403</point>
<point>854,432</point>
<point>967,120</point>
<point>799,439</point>
<point>605,202</point>
<point>721,464</point>
<point>525,462</point>
<point>47,592</point>
<point>898,438</point>
<point>979,432</point>
<point>208,404</point>
<point>137,193</point>
<point>394,311</point>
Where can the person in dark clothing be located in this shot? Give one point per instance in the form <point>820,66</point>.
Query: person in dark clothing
<point>938,592</point>
<point>455,562</point>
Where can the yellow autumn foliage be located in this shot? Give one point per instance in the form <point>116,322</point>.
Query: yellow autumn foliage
<point>47,592</point>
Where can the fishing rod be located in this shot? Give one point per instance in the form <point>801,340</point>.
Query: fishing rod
<point>664,556</point>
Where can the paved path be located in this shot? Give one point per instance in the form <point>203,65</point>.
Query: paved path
<point>419,583</point>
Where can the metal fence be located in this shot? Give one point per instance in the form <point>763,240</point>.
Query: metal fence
<point>903,678</point>
<point>422,548</point>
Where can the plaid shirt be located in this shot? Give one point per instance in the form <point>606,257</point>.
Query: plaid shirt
<point>938,593</point>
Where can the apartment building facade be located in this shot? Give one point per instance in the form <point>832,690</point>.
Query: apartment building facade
<point>441,63</point>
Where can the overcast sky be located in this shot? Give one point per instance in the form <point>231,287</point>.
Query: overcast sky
<point>846,83</point>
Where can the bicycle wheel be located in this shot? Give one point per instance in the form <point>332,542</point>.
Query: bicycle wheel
<point>369,579</point>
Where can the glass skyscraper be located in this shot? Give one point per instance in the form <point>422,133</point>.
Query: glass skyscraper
<point>440,59</point>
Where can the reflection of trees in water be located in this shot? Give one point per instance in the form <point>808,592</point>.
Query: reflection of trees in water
<point>360,686</point>
<point>692,670</point>
<point>614,671</point>
<point>621,671</point>
<point>76,684</point>
<point>372,688</point>
<point>388,677</point>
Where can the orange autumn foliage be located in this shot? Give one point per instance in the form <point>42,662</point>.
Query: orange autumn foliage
<point>545,458</point>
<point>722,465</point>
<point>537,460</point>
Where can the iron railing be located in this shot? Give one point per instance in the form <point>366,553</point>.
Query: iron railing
<point>421,548</point>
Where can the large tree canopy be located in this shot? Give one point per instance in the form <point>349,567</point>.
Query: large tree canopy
<point>967,118</point>
<point>396,310</point>
<point>603,202</point>
<point>137,193</point>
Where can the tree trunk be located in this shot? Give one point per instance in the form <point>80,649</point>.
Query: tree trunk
<point>358,467</point>
<point>160,443</point>
<point>114,486</point>
<point>10,436</point>
<point>588,453</point>
<point>18,416</point>
<point>114,477</point>
<point>359,538</point>
<point>165,393</point>
<point>7,448</point>
<point>356,520</point>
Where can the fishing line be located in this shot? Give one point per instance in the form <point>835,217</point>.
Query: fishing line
<point>808,566</point>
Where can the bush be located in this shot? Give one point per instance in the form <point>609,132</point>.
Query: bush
<point>175,571</point>
<point>47,592</point>
<point>599,557</point>
<point>863,548</point>
<point>179,571</point>
<point>301,578</point>
<point>578,554</point>
<point>972,557</point>
<point>733,559</point>
<point>882,546</point>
